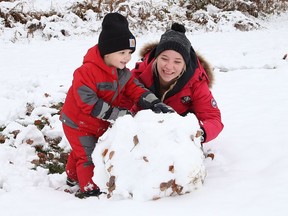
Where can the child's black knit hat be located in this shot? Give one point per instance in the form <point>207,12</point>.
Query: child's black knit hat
<point>115,35</point>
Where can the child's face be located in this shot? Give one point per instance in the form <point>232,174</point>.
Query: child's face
<point>118,59</point>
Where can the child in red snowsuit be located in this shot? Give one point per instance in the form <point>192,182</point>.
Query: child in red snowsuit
<point>99,86</point>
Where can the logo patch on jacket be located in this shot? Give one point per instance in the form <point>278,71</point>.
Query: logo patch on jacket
<point>213,103</point>
<point>186,99</point>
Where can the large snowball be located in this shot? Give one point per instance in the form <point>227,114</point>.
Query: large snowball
<point>149,156</point>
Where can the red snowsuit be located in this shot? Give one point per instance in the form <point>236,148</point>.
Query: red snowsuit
<point>191,93</point>
<point>94,81</point>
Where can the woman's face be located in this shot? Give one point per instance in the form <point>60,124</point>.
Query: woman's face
<point>170,65</point>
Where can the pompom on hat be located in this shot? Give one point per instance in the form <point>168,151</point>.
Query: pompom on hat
<point>175,39</point>
<point>115,35</point>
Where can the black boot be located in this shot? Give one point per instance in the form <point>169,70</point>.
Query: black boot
<point>71,182</point>
<point>86,194</point>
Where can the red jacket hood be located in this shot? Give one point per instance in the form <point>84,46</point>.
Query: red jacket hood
<point>93,56</point>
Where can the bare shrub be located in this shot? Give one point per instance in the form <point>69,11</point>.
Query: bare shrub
<point>80,9</point>
<point>252,7</point>
<point>144,15</point>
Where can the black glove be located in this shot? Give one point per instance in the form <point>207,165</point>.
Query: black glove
<point>149,101</point>
<point>162,108</point>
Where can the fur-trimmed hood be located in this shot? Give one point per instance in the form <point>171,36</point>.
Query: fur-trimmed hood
<point>148,47</point>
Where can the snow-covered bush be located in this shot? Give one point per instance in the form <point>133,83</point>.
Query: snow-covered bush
<point>57,19</point>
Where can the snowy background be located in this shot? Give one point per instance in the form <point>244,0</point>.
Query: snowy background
<point>248,175</point>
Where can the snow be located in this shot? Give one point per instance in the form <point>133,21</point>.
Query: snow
<point>248,175</point>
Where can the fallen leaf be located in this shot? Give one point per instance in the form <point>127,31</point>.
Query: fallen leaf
<point>104,152</point>
<point>198,134</point>
<point>2,138</point>
<point>135,141</point>
<point>156,198</point>
<point>110,168</point>
<point>29,141</point>
<point>171,168</point>
<point>111,185</point>
<point>163,186</point>
<point>211,155</point>
<point>111,154</point>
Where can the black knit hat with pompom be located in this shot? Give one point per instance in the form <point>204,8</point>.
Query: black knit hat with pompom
<point>175,39</point>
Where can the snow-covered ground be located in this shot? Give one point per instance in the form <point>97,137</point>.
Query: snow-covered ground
<point>249,173</point>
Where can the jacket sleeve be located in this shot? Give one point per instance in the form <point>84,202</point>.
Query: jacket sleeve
<point>85,93</point>
<point>83,89</point>
<point>206,110</point>
<point>132,93</point>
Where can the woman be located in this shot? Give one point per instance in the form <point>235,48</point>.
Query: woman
<point>175,74</point>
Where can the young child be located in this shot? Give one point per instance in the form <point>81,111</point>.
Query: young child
<point>98,88</point>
